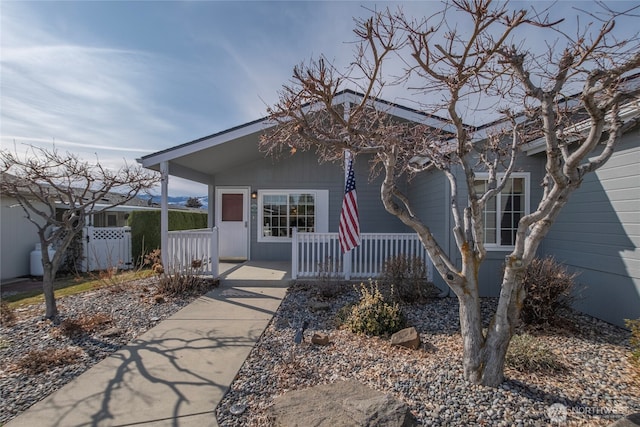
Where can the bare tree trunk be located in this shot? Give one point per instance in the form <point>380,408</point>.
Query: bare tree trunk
<point>51,312</point>
<point>472,337</point>
<point>484,354</point>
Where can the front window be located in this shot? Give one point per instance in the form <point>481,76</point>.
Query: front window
<point>503,212</point>
<point>281,212</point>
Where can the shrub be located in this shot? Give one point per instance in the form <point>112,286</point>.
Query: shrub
<point>550,289</point>
<point>634,341</point>
<point>84,324</point>
<point>527,353</point>
<point>7,314</point>
<point>408,279</point>
<point>183,284</point>
<point>145,228</point>
<point>328,285</point>
<point>38,361</point>
<point>372,315</point>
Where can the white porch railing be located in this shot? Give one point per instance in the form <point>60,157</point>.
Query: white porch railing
<point>187,246</point>
<point>318,254</point>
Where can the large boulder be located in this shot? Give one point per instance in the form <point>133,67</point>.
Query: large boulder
<point>408,337</point>
<point>632,420</point>
<point>341,404</point>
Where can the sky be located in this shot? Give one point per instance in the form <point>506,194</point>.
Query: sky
<point>117,80</point>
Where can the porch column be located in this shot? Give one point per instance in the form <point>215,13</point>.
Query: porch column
<point>164,214</point>
<point>211,221</point>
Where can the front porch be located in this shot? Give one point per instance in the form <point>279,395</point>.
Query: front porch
<point>255,273</point>
<point>313,255</point>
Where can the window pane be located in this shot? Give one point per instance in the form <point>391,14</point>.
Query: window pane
<point>490,235</point>
<point>501,218</point>
<point>302,212</point>
<point>282,212</point>
<point>274,215</point>
<point>512,208</point>
<point>490,221</point>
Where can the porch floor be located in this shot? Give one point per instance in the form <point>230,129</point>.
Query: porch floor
<point>255,273</point>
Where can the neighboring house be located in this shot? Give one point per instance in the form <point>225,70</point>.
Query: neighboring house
<point>256,201</point>
<point>18,236</point>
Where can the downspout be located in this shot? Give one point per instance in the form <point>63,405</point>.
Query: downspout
<point>164,214</point>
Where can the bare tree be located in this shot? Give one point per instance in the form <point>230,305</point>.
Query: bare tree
<point>193,202</point>
<point>467,53</point>
<point>46,182</point>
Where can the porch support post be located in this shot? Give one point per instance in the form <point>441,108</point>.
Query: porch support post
<point>215,263</point>
<point>164,214</point>
<point>211,223</point>
<point>211,191</point>
<point>346,265</point>
<point>294,253</point>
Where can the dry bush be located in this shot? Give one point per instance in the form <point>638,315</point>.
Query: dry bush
<point>39,361</point>
<point>7,314</point>
<point>328,284</point>
<point>182,281</point>
<point>527,353</point>
<point>550,290</point>
<point>84,324</point>
<point>407,277</point>
<point>634,342</point>
<point>184,284</point>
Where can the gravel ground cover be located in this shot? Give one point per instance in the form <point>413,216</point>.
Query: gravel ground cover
<point>594,385</point>
<point>116,315</point>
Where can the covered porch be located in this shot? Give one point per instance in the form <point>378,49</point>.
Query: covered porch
<point>313,255</point>
<point>283,209</point>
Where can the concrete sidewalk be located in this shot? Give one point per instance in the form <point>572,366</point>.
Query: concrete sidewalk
<point>176,373</point>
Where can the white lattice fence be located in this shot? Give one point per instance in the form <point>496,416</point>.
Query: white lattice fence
<point>107,247</point>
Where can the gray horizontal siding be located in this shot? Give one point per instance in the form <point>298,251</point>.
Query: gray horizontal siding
<point>608,296</point>
<point>598,234</point>
<point>428,195</point>
<point>303,171</point>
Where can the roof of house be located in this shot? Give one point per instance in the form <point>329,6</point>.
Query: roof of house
<point>196,160</point>
<point>107,200</point>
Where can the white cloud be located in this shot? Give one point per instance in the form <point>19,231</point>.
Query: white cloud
<point>173,72</point>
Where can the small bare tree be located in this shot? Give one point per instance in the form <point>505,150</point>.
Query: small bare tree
<point>193,202</point>
<point>464,54</point>
<point>57,192</point>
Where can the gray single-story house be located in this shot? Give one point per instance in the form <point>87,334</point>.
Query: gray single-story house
<point>259,203</point>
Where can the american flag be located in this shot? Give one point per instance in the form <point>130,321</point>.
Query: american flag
<point>349,230</point>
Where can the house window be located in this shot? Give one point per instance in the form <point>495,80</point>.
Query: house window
<point>282,211</point>
<point>503,212</point>
<point>112,220</point>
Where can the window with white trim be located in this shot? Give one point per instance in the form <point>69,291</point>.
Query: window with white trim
<point>503,212</point>
<point>280,211</point>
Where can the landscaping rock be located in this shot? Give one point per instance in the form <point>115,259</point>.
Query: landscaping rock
<point>319,306</point>
<point>320,338</point>
<point>341,404</point>
<point>408,337</point>
<point>632,420</point>
<point>112,332</point>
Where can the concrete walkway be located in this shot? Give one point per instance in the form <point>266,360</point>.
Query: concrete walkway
<point>176,373</point>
